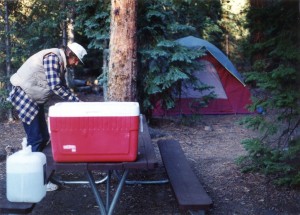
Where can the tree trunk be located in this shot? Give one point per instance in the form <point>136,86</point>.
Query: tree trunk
<point>105,67</point>
<point>232,20</point>
<point>122,61</point>
<point>68,31</point>
<point>63,24</point>
<point>257,36</point>
<point>7,42</point>
<point>8,52</point>
<point>70,25</point>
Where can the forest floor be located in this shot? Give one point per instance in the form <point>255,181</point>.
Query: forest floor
<point>212,143</point>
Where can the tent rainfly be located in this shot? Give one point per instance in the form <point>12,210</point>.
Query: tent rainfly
<point>216,70</point>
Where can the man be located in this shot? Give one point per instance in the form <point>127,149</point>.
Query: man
<point>41,76</point>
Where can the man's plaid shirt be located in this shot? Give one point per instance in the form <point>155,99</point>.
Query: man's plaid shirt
<point>27,108</point>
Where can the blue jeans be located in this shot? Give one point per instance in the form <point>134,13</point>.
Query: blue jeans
<point>37,131</point>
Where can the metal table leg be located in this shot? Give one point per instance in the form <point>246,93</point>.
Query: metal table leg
<point>118,192</point>
<point>108,190</point>
<point>109,206</point>
<point>96,193</point>
<point>56,180</point>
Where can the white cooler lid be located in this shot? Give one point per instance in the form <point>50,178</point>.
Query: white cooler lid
<point>78,109</point>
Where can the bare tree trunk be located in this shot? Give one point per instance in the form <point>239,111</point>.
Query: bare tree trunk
<point>8,52</point>
<point>257,36</point>
<point>68,31</point>
<point>105,67</point>
<point>64,25</point>
<point>70,25</point>
<point>67,24</point>
<point>232,19</point>
<point>122,63</point>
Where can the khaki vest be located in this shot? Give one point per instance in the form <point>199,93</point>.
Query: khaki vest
<point>31,75</point>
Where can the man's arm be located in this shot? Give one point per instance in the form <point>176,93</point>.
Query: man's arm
<point>52,70</point>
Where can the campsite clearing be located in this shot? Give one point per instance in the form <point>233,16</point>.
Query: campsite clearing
<point>210,152</point>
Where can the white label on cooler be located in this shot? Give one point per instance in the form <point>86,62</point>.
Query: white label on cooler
<point>72,147</point>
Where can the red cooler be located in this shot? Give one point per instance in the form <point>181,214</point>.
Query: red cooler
<point>94,131</point>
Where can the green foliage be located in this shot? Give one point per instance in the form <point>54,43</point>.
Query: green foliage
<point>41,26</point>
<point>38,24</point>
<point>34,25</point>
<point>275,72</point>
<point>167,64</point>
<point>164,64</point>
<point>203,15</point>
<point>282,165</point>
<point>93,19</point>
<point>4,104</point>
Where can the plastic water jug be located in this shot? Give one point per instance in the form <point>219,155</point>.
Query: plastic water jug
<point>26,175</point>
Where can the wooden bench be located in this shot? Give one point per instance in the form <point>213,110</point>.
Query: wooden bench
<point>189,192</point>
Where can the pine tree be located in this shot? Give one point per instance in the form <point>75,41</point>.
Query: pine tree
<point>275,57</point>
<point>164,64</point>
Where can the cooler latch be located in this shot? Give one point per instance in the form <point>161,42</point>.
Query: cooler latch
<point>141,123</point>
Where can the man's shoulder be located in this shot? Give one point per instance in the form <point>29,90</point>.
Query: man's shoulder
<point>52,51</point>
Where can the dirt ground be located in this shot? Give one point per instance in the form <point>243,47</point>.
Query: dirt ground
<point>211,144</point>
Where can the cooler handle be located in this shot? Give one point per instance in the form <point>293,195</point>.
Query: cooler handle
<point>141,123</point>
<point>49,130</point>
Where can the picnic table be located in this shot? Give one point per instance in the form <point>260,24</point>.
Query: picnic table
<point>146,160</point>
<point>188,190</point>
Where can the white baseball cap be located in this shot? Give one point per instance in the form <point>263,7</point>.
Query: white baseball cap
<point>78,50</point>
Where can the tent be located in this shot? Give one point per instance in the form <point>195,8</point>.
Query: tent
<point>232,95</point>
